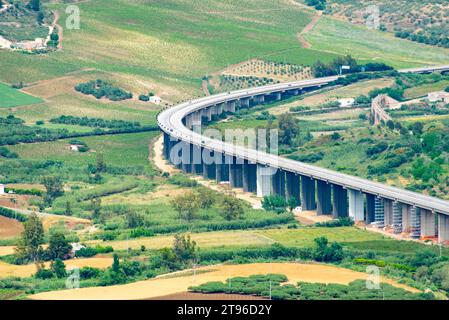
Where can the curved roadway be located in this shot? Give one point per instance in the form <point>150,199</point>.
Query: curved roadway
<point>170,121</point>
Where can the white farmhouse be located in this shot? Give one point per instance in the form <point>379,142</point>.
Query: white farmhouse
<point>155,99</point>
<point>2,189</point>
<point>346,102</point>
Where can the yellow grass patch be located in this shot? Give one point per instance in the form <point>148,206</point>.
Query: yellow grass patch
<point>207,239</point>
<point>295,272</point>
<point>6,250</point>
<point>10,270</point>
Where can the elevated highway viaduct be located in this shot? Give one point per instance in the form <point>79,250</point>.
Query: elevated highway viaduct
<point>329,192</point>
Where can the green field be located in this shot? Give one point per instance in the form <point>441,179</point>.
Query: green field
<point>10,97</point>
<point>335,36</point>
<point>122,149</point>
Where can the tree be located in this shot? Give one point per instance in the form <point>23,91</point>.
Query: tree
<point>35,5</point>
<point>134,219</point>
<point>324,252</point>
<point>32,238</point>
<point>186,205</point>
<point>206,198</point>
<point>292,203</point>
<point>100,165</point>
<point>40,17</point>
<point>95,205</point>
<point>288,129</point>
<point>184,248</point>
<point>335,136</point>
<point>390,124</point>
<point>274,203</point>
<point>58,247</point>
<point>68,208</point>
<point>231,208</point>
<point>58,268</point>
<point>115,263</point>
<point>53,186</point>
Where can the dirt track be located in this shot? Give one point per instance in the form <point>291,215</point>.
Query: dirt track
<point>173,284</point>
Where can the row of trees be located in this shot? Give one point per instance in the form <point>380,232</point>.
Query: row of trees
<point>333,68</point>
<point>94,122</point>
<point>187,205</point>
<point>30,244</point>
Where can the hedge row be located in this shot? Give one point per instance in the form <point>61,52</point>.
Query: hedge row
<point>8,213</point>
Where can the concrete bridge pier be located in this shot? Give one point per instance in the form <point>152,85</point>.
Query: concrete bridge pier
<point>166,145</point>
<point>443,228</point>
<point>249,177</point>
<point>307,192</point>
<point>221,169</point>
<point>293,181</point>
<point>197,165</point>
<point>187,157</point>
<point>428,226</point>
<point>406,225</point>
<point>236,174</point>
<point>189,121</point>
<point>356,205</point>
<point>209,167</point>
<point>277,96</point>
<point>196,119</point>
<point>370,208</point>
<point>220,108</point>
<point>244,102</point>
<point>264,181</point>
<point>397,217</point>
<point>415,222</point>
<point>279,183</point>
<point>231,106</point>
<point>324,198</point>
<point>379,212</point>
<point>340,205</point>
<point>388,212</point>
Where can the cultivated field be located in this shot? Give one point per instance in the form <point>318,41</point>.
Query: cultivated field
<point>10,97</point>
<point>295,272</point>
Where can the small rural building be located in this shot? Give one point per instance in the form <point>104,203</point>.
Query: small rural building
<point>74,147</point>
<point>346,102</point>
<point>438,96</point>
<point>2,189</point>
<point>155,99</point>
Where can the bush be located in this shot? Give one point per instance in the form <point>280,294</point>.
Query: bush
<point>99,89</point>
<point>90,251</point>
<point>143,97</point>
<point>89,273</point>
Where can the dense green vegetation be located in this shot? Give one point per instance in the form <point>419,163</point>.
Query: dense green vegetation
<point>99,89</point>
<point>273,286</point>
